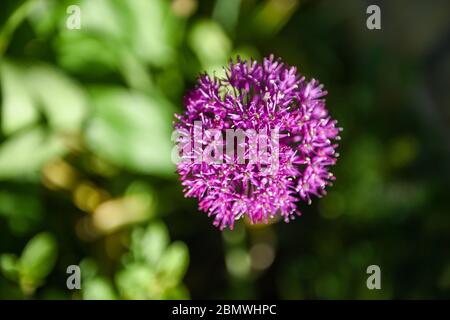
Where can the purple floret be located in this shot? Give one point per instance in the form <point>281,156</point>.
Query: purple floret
<point>264,97</point>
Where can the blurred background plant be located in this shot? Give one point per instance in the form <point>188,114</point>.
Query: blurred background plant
<point>85,170</point>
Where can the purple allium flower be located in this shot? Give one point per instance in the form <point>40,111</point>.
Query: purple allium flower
<point>262,97</point>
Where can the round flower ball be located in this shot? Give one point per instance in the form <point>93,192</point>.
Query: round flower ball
<point>272,108</point>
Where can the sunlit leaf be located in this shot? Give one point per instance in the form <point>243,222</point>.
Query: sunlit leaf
<point>174,262</point>
<point>210,43</point>
<point>103,17</point>
<point>150,245</point>
<point>83,53</point>
<point>39,88</point>
<point>44,14</point>
<point>94,48</point>
<point>37,259</point>
<point>137,281</point>
<point>63,100</point>
<point>98,289</point>
<point>25,153</point>
<point>153,31</point>
<point>131,130</point>
<point>18,109</point>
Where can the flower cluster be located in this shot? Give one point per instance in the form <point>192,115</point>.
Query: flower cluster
<point>269,97</point>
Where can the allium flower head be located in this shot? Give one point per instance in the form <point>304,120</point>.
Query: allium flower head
<point>299,135</point>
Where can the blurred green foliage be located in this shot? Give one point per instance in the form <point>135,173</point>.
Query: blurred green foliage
<point>35,263</point>
<point>85,170</point>
<point>153,269</point>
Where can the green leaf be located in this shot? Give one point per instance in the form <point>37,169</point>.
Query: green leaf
<point>26,152</point>
<point>173,264</point>
<point>138,281</point>
<point>132,130</point>
<point>115,33</point>
<point>38,259</point>
<point>62,99</point>
<point>44,15</point>
<point>153,31</point>
<point>103,17</point>
<point>36,89</point>
<point>18,109</point>
<point>150,245</point>
<point>83,53</point>
<point>9,266</point>
<point>210,43</point>
<point>98,289</point>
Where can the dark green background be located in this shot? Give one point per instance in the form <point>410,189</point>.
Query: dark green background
<point>85,171</point>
